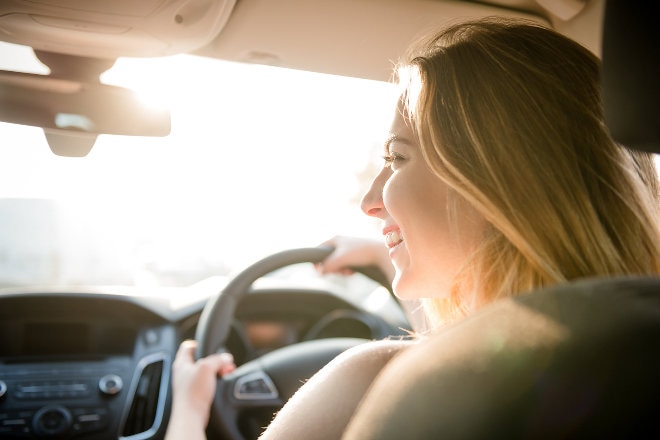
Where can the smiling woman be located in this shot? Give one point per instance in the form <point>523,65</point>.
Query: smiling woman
<point>259,159</point>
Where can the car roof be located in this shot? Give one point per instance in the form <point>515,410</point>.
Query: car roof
<point>346,37</point>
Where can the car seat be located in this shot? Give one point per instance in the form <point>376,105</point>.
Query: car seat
<point>580,360</point>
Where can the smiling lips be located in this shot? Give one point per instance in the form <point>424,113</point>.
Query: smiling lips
<point>393,238</point>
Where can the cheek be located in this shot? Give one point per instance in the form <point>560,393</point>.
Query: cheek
<point>440,229</point>
<point>432,234</point>
<point>412,193</point>
<point>391,193</point>
<point>417,202</point>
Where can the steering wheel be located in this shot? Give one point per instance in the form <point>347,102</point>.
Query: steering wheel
<point>269,381</point>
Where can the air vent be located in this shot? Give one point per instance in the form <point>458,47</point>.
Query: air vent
<point>144,410</point>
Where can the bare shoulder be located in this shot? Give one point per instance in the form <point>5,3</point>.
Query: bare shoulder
<point>324,405</point>
<point>371,354</point>
<point>352,371</point>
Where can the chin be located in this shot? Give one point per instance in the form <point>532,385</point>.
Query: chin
<point>404,288</point>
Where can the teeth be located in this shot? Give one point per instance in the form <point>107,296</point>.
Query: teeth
<point>393,238</point>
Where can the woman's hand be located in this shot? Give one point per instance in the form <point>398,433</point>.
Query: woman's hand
<point>355,252</point>
<point>193,388</point>
<point>362,252</point>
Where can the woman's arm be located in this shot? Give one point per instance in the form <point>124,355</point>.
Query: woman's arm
<point>193,388</point>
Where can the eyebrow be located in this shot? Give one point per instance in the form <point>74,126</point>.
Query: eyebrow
<point>394,138</point>
<point>386,145</point>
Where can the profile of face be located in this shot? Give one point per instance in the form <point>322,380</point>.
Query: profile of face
<point>429,229</point>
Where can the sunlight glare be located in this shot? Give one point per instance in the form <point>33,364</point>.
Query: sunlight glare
<point>259,159</point>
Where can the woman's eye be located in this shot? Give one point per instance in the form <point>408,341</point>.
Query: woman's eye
<point>392,160</point>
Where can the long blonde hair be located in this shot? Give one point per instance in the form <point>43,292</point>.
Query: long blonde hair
<point>509,114</point>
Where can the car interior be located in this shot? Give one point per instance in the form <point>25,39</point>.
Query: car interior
<point>91,357</point>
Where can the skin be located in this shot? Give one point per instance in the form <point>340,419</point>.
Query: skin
<point>414,204</point>
<point>355,252</point>
<point>193,385</point>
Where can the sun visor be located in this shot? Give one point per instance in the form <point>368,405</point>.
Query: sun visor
<point>116,28</point>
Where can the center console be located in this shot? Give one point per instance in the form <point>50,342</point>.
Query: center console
<point>83,378</point>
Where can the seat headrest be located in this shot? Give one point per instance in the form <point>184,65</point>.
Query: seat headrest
<point>631,72</point>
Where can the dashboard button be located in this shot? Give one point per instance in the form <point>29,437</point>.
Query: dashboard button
<point>87,420</point>
<point>52,421</point>
<point>151,337</point>
<point>14,425</point>
<point>111,384</point>
<point>255,386</point>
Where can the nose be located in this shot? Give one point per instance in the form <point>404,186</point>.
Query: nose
<point>372,201</point>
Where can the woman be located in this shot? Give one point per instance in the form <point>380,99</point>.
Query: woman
<point>500,177</point>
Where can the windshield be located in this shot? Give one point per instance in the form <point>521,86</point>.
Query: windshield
<point>260,159</point>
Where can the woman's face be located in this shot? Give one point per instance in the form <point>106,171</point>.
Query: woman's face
<point>429,229</point>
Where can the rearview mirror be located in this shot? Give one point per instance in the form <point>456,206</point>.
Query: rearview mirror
<point>77,107</point>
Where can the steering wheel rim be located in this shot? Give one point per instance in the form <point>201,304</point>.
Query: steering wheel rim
<point>213,330</point>
<point>215,321</point>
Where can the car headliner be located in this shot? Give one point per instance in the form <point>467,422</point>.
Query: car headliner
<point>345,37</point>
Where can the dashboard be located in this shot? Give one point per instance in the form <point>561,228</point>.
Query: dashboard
<point>96,365</point>
<point>89,366</point>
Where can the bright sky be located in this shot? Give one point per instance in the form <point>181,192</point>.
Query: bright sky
<point>259,160</point>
